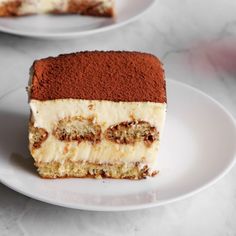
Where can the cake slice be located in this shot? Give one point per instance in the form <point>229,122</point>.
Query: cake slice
<point>97,114</point>
<point>84,7</point>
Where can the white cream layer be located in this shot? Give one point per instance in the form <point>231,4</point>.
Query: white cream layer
<point>46,114</point>
<point>39,6</point>
<point>42,6</point>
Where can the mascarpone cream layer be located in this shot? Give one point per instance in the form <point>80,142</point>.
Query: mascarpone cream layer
<point>39,6</point>
<point>42,6</point>
<point>46,114</point>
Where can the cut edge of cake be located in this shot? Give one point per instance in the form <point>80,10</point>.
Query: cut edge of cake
<point>89,119</point>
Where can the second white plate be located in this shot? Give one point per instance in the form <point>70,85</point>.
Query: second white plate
<point>198,147</point>
<point>68,26</point>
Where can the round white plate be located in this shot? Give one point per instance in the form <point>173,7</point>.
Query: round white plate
<point>198,148</point>
<point>68,26</point>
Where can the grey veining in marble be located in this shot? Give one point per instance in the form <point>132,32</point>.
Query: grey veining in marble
<point>196,40</point>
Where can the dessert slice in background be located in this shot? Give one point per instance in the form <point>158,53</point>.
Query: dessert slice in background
<point>97,114</point>
<point>84,7</point>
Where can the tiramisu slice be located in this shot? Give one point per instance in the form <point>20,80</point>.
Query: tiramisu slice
<point>97,114</point>
<point>84,7</point>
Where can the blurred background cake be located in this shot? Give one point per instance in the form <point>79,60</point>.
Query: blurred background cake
<point>84,7</point>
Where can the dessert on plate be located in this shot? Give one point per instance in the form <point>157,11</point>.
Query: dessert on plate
<point>97,114</point>
<point>84,7</point>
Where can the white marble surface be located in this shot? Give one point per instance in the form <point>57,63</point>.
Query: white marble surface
<point>196,40</point>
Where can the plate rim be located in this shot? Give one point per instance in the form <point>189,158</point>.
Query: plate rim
<point>144,205</point>
<point>77,34</point>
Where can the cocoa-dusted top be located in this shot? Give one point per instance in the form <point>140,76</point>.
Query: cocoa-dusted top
<point>113,76</point>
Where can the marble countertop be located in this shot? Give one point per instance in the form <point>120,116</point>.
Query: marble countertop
<point>196,42</point>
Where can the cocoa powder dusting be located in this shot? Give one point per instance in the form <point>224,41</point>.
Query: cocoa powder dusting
<point>113,76</point>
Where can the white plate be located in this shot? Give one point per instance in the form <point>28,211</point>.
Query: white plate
<point>68,26</point>
<point>198,148</point>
